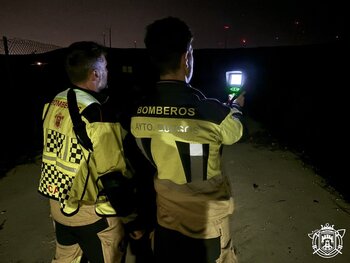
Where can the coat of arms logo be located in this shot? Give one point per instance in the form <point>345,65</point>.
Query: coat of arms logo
<point>327,242</point>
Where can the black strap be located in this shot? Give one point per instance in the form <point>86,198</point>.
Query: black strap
<point>78,123</point>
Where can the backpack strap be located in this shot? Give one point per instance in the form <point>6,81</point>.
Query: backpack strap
<point>78,123</point>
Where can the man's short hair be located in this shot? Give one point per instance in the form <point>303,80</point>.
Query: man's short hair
<point>166,40</point>
<point>82,57</point>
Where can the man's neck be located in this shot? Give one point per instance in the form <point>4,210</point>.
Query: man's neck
<point>86,86</point>
<point>173,76</point>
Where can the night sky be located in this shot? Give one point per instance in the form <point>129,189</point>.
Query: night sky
<point>215,23</point>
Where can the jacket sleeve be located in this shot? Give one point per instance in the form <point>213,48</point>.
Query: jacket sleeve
<point>111,171</point>
<point>231,127</point>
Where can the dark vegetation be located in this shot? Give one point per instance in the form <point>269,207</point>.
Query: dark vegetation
<point>297,93</point>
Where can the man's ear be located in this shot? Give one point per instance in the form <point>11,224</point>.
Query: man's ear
<point>185,63</point>
<point>184,60</point>
<point>95,74</point>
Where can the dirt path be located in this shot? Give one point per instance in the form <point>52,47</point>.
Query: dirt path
<point>278,202</point>
<point>26,232</point>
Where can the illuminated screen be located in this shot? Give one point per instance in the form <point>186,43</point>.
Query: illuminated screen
<point>235,79</point>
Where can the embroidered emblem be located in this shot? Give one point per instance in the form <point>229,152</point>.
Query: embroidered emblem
<point>58,120</point>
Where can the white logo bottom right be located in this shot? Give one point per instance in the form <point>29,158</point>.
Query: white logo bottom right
<point>327,242</point>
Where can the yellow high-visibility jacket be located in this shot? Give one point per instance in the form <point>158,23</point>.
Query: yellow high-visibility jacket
<point>182,133</point>
<point>70,173</point>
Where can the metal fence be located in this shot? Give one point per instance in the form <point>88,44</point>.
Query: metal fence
<point>17,46</point>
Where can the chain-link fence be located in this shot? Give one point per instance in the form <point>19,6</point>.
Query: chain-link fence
<point>17,46</point>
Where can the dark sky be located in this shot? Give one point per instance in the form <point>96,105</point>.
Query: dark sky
<point>252,23</point>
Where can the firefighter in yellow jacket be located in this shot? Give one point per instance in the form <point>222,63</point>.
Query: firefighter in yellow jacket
<point>84,170</point>
<point>182,133</point>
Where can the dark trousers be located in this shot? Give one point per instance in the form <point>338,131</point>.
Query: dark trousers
<point>85,236</point>
<point>142,249</point>
<point>171,246</point>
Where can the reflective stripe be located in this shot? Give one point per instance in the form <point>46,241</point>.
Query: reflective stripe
<point>196,149</point>
<point>65,167</point>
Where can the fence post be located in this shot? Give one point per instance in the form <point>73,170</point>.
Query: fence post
<point>6,47</point>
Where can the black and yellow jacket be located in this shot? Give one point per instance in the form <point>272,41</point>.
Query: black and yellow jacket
<point>70,173</point>
<point>182,132</point>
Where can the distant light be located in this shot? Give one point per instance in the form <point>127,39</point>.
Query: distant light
<point>39,63</point>
<point>243,41</point>
<point>226,27</point>
<point>277,38</point>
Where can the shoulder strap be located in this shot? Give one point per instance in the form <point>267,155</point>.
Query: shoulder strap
<point>78,123</point>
